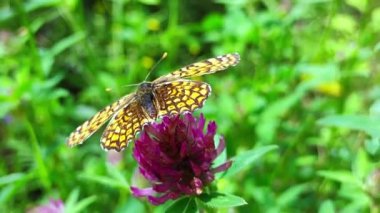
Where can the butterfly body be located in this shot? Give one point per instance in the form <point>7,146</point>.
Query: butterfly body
<point>146,98</point>
<point>169,94</point>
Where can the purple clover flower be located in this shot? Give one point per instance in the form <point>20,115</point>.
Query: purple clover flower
<point>54,206</point>
<point>176,157</point>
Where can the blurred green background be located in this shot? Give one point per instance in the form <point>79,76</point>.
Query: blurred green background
<point>308,81</point>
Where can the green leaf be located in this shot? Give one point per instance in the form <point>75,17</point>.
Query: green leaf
<point>343,23</point>
<point>358,4</point>
<point>219,200</point>
<point>11,178</point>
<point>132,204</point>
<point>372,145</point>
<point>340,176</point>
<point>6,107</point>
<point>67,42</point>
<point>244,160</point>
<point>73,205</point>
<point>12,184</point>
<point>364,123</point>
<point>72,199</point>
<point>326,207</point>
<point>81,205</point>
<point>105,181</point>
<point>184,205</point>
<point>375,24</point>
<point>361,165</point>
<point>291,194</point>
<point>48,56</point>
<point>150,2</point>
<point>7,193</point>
<point>117,175</point>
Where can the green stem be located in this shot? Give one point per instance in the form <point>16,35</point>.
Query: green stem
<point>41,167</point>
<point>32,50</point>
<point>173,26</point>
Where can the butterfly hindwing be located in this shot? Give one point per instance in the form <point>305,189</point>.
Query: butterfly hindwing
<point>95,122</point>
<point>180,96</point>
<point>123,127</point>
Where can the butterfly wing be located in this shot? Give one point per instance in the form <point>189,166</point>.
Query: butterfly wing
<point>123,127</point>
<point>207,66</point>
<point>95,122</point>
<point>173,95</point>
<point>180,96</point>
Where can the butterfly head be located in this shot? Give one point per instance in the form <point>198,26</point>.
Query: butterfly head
<point>145,87</point>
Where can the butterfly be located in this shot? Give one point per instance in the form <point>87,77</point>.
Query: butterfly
<point>168,94</point>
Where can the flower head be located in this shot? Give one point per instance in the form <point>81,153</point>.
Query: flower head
<point>176,157</point>
<point>54,206</point>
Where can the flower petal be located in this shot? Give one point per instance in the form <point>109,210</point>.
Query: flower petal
<point>221,146</point>
<point>222,167</point>
<point>137,192</point>
<point>201,122</point>
<point>163,198</point>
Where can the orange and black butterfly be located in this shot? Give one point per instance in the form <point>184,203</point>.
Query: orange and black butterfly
<point>168,94</point>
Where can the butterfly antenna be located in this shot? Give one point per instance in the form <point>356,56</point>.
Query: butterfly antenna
<point>130,85</point>
<point>154,66</point>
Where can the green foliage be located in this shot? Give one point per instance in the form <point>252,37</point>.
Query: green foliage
<point>370,126</point>
<point>73,205</point>
<point>219,200</point>
<point>184,205</point>
<point>308,83</point>
<point>244,160</point>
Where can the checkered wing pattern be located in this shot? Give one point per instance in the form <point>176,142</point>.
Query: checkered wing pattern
<point>173,95</point>
<point>95,122</point>
<point>207,66</point>
<point>180,96</point>
<point>123,127</point>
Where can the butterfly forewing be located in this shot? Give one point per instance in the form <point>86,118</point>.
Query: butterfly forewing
<point>207,66</point>
<point>181,96</point>
<point>95,122</point>
<point>123,127</point>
